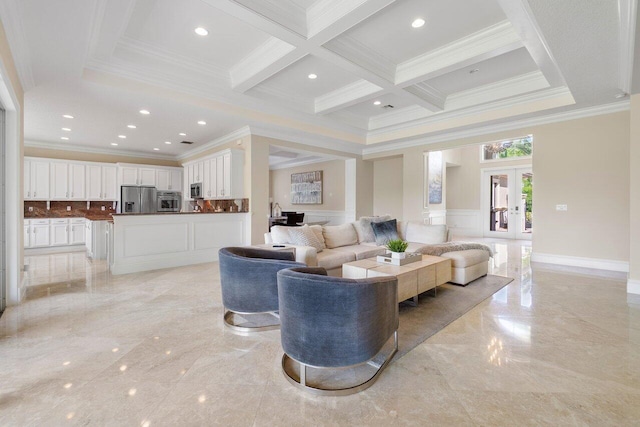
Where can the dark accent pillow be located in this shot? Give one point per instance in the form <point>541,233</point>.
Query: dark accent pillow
<point>385,231</point>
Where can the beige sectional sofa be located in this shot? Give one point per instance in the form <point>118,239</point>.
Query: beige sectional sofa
<point>336,245</point>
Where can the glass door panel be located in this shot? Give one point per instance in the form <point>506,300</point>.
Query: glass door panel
<point>507,207</point>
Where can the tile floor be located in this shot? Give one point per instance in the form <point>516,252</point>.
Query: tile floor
<point>555,347</point>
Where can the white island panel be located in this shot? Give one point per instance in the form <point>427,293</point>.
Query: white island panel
<point>150,242</point>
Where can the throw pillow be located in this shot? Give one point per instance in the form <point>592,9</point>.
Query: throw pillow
<point>317,229</point>
<point>364,230</point>
<point>336,236</point>
<point>280,235</point>
<point>304,236</point>
<point>385,231</point>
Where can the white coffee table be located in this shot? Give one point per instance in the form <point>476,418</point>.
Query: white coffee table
<point>413,278</point>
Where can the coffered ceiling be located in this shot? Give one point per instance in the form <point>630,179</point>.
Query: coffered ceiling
<point>380,80</point>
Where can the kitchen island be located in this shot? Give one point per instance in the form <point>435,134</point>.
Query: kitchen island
<point>143,242</point>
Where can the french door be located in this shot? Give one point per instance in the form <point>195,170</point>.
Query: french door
<point>507,203</point>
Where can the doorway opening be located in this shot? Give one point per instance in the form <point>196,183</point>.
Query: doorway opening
<point>508,202</point>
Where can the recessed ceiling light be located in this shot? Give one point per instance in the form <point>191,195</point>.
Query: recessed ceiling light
<point>122,136</point>
<point>202,123</point>
<point>168,142</point>
<point>182,134</point>
<point>114,143</point>
<point>201,31</point>
<point>377,103</point>
<point>156,149</point>
<point>66,129</point>
<point>312,76</point>
<point>67,116</point>
<point>417,23</point>
<point>475,70</point>
<point>64,138</point>
<point>131,126</point>
<point>145,112</point>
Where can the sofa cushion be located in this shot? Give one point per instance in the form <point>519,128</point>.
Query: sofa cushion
<point>332,258</point>
<point>339,235</point>
<point>466,258</point>
<point>280,235</point>
<point>363,251</point>
<point>423,233</point>
<point>304,236</point>
<point>385,231</point>
<point>363,227</point>
<point>415,247</point>
<point>317,229</point>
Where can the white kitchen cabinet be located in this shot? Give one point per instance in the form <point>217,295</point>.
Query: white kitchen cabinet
<point>77,182</point>
<point>147,176</point>
<point>36,180</point>
<point>59,229</point>
<point>109,183</point>
<point>76,231</point>
<point>128,175</point>
<point>101,182</point>
<point>40,233</point>
<point>96,239</point>
<point>27,234</point>
<point>222,175</point>
<point>169,179</point>
<point>67,181</point>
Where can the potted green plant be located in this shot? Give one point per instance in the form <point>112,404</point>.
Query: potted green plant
<point>397,248</point>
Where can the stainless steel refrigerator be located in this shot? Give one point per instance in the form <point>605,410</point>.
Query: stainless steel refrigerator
<point>134,199</point>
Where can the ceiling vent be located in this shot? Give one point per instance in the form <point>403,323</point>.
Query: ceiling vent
<point>387,107</point>
<point>187,142</point>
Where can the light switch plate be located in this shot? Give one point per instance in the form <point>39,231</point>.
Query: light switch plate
<point>561,207</point>
<point>102,208</point>
<point>30,208</point>
<point>68,208</point>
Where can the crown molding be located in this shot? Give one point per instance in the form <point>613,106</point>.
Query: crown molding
<point>499,90</point>
<point>540,95</point>
<point>260,62</point>
<point>429,94</point>
<point>236,134</point>
<point>300,163</point>
<point>502,127</point>
<point>346,96</point>
<point>496,39</point>
<point>93,150</point>
<point>12,22</point>
<point>627,38</point>
<point>304,138</point>
<point>402,115</point>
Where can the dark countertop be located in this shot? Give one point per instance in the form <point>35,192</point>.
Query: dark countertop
<point>175,213</point>
<point>90,215</point>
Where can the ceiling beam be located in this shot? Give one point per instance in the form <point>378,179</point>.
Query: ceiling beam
<point>346,96</point>
<point>521,16</point>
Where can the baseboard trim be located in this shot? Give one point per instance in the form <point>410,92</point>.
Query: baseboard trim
<point>599,264</point>
<point>633,286</point>
<point>55,249</point>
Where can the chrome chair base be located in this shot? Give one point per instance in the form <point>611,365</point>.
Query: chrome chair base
<point>231,324</point>
<point>299,379</point>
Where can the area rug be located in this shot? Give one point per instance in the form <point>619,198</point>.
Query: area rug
<point>433,313</point>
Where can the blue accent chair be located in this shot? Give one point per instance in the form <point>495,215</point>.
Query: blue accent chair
<point>249,286</point>
<point>331,323</point>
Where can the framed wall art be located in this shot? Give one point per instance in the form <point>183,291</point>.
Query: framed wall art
<point>306,188</point>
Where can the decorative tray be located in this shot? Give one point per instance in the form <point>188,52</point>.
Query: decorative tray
<point>410,257</point>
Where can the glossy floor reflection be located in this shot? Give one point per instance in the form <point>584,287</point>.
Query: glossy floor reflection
<point>555,347</point>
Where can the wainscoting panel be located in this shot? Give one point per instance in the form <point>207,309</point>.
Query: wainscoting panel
<point>153,239</point>
<point>464,222</point>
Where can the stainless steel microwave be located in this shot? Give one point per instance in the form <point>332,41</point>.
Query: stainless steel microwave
<point>169,201</point>
<point>196,191</point>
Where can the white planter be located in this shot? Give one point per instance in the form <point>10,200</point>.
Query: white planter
<point>398,255</point>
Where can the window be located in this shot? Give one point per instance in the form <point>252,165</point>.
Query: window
<point>507,150</point>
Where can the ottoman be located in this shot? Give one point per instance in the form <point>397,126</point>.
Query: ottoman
<point>467,265</point>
